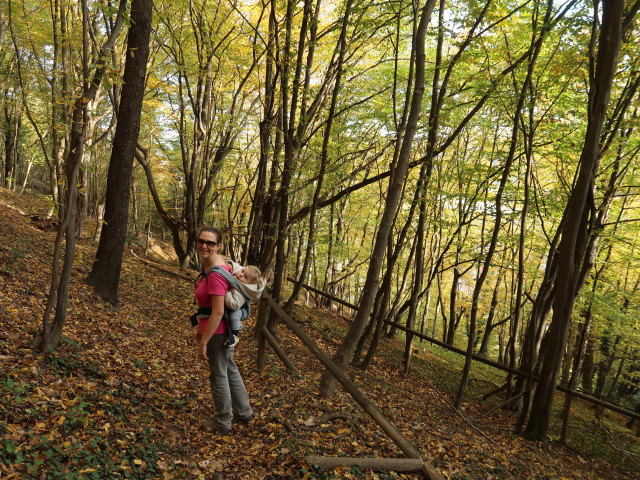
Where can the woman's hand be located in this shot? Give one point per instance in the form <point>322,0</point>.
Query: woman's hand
<point>217,310</point>
<point>202,350</point>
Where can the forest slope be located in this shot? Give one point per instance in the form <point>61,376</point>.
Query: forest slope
<point>124,393</point>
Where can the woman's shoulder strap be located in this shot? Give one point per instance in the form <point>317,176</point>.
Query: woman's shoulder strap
<point>223,272</point>
<point>231,280</point>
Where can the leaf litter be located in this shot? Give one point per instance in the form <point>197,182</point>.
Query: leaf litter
<point>124,393</point>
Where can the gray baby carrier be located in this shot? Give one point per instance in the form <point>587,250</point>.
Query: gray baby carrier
<point>233,283</point>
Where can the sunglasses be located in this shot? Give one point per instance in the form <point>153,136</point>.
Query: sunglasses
<point>208,243</point>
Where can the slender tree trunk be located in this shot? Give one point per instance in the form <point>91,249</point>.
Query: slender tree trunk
<point>453,295</point>
<point>612,394</point>
<point>11,145</point>
<point>573,244</point>
<point>59,290</point>
<point>254,252</point>
<point>287,118</point>
<point>514,325</point>
<point>588,364</point>
<point>381,304</point>
<point>490,326</point>
<point>324,156</point>
<point>396,182</point>
<point>418,270</point>
<point>536,46</point>
<point>575,372</point>
<point>26,174</point>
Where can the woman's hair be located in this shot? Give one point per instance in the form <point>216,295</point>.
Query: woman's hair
<point>211,230</point>
<point>255,271</point>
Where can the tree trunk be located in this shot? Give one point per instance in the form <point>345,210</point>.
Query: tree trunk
<point>11,130</point>
<point>105,274</point>
<point>490,326</point>
<point>514,324</point>
<point>588,364</point>
<point>418,270</point>
<point>341,47</point>
<point>574,373</point>
<point>260,218</point>
<point>287,118</point>
<point>573,243</point>
<point>59,289</point>
<point>396,183</point>
<point>536,44</point>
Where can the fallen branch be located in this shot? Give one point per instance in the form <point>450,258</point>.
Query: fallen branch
<point>16,209</point>
<point>376,464</point>
<point>162,269</point>
<point>327,417</point>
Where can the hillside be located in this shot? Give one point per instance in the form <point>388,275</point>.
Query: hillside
<point>124,393</point>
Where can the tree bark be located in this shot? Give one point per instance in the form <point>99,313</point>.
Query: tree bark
<point>573,245</point>
<point>396,183</point>
<point>59,289</point>
<point>105,274</point>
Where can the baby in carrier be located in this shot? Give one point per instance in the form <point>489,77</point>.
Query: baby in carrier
<point>248,286</point>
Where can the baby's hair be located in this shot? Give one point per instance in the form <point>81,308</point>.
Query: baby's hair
<point>255,271</point>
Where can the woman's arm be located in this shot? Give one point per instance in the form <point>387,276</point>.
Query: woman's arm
<point>217,310</point>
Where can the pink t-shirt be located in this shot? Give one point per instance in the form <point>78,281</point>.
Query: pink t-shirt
<point>214,285</point>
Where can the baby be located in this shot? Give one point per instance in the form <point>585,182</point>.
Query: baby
<point>250,282</point>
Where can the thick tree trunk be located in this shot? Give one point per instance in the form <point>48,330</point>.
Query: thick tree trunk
<point>105,274</point>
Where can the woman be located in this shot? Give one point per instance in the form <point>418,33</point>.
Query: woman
<point>230,396</point>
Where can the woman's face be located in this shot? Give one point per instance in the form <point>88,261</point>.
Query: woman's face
<point>207,244</point>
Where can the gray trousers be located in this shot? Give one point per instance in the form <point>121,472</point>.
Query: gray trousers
<point>230,396</point>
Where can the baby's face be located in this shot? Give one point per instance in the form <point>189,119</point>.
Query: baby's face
<point>244,276</point>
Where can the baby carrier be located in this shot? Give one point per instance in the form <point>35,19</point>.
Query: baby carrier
<point>233,283</point>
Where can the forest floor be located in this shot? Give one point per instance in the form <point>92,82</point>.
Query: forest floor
<point>124,393</point>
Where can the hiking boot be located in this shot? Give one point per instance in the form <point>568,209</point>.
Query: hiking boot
<point>244,420</point>
<point>212,427</point>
